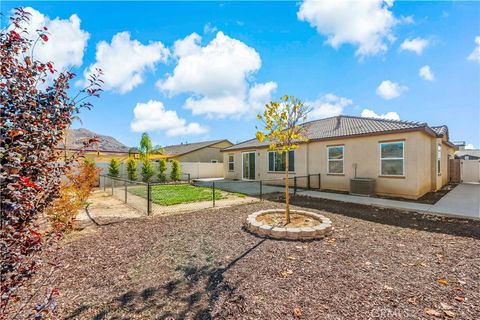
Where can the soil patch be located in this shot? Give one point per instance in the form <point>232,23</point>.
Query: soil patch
<point>277,219</point>
<point>378,264</point>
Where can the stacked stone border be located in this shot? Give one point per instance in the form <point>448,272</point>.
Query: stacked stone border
<point>289,233</point>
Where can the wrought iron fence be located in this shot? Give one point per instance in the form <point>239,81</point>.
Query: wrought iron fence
<point>190,195</point>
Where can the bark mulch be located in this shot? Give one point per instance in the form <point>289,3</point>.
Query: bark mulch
<point>379,264</point>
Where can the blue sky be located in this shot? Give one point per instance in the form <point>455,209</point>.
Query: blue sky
<point>351,59</point>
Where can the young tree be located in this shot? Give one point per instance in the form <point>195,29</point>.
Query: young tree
<point>114,167</point>
<point>74,192</point>
<point>162,167</point>
<point>35,110</point>
<point>146,146</point>
<point>132,169</point>
<point>147,170</point>
<point>283,131</point>
<point>176,172</point>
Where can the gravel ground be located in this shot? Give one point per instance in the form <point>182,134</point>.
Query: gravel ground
<point>378,264</point>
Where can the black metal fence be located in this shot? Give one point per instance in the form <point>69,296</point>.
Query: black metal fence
<point>156,197</point>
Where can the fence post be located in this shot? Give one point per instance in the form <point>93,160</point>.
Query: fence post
<point>188,177</point>
<point>104,183</point>
<point>125,181</point>
<point>319,182</point>
<point>113,184</point>
<point>213,194</point>
<point>308,182</point>
<point>149,200</point>
<point>294,185</point>
<point>261,190</point>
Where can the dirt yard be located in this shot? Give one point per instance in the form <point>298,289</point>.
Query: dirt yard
<point>379,263</point>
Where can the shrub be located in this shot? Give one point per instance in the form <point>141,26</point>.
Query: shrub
<point>33,121</point>
<point>74,192</point>
<point>162,167</point>
<point>114,168</point>
<point>132,169</point>
<point>147,170</point>
<point>176,172</point>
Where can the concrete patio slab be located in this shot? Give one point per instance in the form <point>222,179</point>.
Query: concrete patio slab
<point>462,202</point>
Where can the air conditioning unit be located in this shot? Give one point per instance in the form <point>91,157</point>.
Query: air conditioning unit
<point>362,186</point>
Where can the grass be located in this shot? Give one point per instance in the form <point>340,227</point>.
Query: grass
<point>171,194</point>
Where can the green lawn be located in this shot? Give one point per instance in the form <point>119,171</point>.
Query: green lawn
<point>170,194</point>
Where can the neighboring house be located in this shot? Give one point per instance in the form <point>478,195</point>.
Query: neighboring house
<point>469,160</point>
<point>407,159</point>
<point>206,151</point>
<point>466,154</point>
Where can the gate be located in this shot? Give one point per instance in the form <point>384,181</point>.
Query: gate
<point>470,170</point>
<point>455,175</point>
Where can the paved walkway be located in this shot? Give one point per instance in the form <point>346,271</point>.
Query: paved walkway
<point>463,201</point>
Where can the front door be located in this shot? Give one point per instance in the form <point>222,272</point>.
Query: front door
<point>248,165</point>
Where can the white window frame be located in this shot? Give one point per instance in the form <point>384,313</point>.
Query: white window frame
<point>343,159</point>
<point>231,162</point>
<point>402,158</point>
<point>439,159</point>
<point>274,155</point>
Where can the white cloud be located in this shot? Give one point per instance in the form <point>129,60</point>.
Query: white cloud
<point>208,28</point>
<point>367,113</point>
<point>187,46</point>
<point>125,61</point>
<point>217,76</point>
<point>260,94</point>
<point>426,73</point>
<point>475,55</point>
<point>152,116</point>
<point>67,41</point>
<point>469,146</point>
<point>416,45</point>
<point>365,24</point>
<point>389,90</point>
<point>328,105</point>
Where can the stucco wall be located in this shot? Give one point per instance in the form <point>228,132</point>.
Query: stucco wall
<point>420,174</point>
<point>206,154</point>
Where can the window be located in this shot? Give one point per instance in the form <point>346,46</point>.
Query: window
<point>439,158</point>
<point>335,159</point>
<point>214,161</point>
<point>392,158</point>
<point>276,161</point>
<point>231,163</point>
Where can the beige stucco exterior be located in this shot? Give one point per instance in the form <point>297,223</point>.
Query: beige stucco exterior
<point>207,154</point>
<point>420,163</point>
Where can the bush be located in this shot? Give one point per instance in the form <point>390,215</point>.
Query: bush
<point>33,122</point>
<point>176,172</point>
<point>132,169</point>
<point>114,168</point>
<point>162,167</point>
<point>147,170</point>
<point>74,192</point>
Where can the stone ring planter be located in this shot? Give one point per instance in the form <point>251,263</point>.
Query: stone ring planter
<point>259,228</point>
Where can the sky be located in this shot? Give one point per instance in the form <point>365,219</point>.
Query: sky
<point>186,72</point>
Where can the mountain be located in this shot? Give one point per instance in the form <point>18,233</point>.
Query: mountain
<point>76,137</point>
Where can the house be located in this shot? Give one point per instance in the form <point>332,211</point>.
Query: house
<point>407,159</point>
<point>466,154</point>
<point>206,151</point>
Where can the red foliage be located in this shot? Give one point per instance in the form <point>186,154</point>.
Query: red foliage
<point>32,123</point>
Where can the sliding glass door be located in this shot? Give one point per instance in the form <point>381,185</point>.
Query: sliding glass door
<point>248,165</point>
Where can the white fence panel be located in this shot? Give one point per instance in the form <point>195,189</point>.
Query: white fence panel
<point>196,170</point>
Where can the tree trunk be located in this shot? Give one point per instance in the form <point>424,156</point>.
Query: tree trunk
<point>287,196</point>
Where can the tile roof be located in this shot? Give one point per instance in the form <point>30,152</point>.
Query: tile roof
<point>184,148</point>
<point>440,130</point>
<point>344,126</point>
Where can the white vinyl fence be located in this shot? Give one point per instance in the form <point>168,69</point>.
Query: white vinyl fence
<point>195,169</point>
